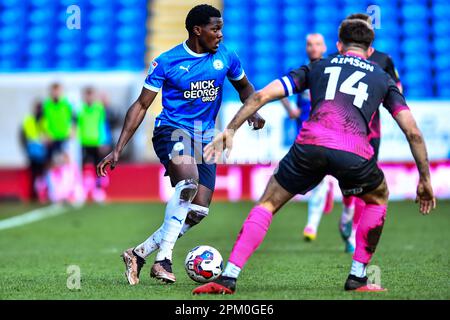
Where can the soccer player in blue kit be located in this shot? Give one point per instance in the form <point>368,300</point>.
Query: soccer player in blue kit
<point>191,76</point>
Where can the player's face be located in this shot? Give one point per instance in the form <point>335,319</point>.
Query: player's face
<point>211,35</point>
<point>315,47</point>
<point>56,92</point>
<point>89,97</point>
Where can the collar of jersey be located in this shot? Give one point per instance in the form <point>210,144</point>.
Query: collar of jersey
<point>354,54</point>
<point>192,53</point>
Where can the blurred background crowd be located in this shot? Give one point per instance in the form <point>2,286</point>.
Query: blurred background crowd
<point>56,137</point>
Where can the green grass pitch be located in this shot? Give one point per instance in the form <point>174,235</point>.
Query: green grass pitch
<point>413,254</point>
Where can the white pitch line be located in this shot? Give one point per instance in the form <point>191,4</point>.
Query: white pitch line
<point>32,216</point>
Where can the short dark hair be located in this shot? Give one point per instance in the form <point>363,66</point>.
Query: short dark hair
<point>200,15</point>
<point>359,16</point>
<point>88,90</point>
<point>356,33</point>
<point>55,85</point>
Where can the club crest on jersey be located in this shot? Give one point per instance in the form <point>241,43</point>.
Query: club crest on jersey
<point>218,64</point>
<point>153,65</point>
<point>205,89</point>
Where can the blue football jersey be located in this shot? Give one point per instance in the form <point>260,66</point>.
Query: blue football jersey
<point>192,86</point>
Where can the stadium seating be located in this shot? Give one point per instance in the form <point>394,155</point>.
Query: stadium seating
<point>415,33</point>
<point>112,35</point>
<point>267,35</point>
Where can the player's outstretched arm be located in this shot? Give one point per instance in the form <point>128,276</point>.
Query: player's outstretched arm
<point>224,140</point>
<point>245,89</point>
<point>425,196</point>
<point>272,91</point>
<point>133,119</point>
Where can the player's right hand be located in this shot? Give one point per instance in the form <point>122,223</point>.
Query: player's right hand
<point>223,141</point>
<point>111,159</point>
<point>425,196</point>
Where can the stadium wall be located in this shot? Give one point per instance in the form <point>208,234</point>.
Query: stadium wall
<point>146,182</point>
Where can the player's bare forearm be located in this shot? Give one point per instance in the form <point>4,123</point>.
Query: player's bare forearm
<point>134,117</point>
<point>416,142</point>
<point>272,91</point>
<point>419,151</point>
<point>244,88</point>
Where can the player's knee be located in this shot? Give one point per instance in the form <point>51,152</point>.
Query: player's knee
<point>378,196</point>
<point>187,189</point>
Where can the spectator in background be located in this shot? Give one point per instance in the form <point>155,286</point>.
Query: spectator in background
<point>91,123</point>
<point>32,139</point>
<point>58,118</point>
<point>113,120</point>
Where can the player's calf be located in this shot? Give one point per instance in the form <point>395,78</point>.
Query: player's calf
<point>368,233</point>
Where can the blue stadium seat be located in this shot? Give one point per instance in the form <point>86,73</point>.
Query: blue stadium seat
<point>43,3</point>
<point>294,31</point>
<point>441,44</point>
<point>415,12</point>
<point>418,90</point>
<point>265,32</point>
<point>10,33</point>
<point>440,11</point>
<point>40,33</point>
<point>323,13</point>
<point>412,28</point>
<point>296,14</point>
<point>9,49</point>
<point>234,15</point>
<point>415,45</point>
<point>441,27</point>
<point>442,63</point>
<point>100,16</point>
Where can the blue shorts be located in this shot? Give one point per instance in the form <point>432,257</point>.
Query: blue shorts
<point>183,143</point>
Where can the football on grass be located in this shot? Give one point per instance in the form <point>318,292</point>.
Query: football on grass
<point>203,264</point>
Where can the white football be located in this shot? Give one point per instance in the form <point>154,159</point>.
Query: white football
<point>203,264</point>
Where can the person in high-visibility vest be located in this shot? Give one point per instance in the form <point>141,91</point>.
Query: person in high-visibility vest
<point>32,137</point>
<point>91,126</point>
<point>58,117</point>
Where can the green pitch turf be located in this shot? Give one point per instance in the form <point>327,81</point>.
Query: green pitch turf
<point>413,254</point>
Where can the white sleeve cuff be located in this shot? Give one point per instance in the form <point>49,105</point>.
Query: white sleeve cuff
<point>238,77</point>
<point>151,88</point>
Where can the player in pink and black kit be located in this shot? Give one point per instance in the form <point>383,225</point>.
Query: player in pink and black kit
<point>353,206</point>
<point>346,92</point>
<point>350,218</point>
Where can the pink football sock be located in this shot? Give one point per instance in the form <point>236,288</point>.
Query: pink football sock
<point>251,235</point>
<point>359,207</point>
<point>369,232</point>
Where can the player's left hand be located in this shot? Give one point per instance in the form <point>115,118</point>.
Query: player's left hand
<point>111,159</point>
<point>213,150</point>
<point>257,121</point>
<point>425,197</point>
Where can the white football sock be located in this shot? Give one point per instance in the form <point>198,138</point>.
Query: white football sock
<point>358,269</point>
<point>347,214</point>
<point>176,212</point>
<point>316,205</point>
<point>150,245</point>
<point>231,270</point>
